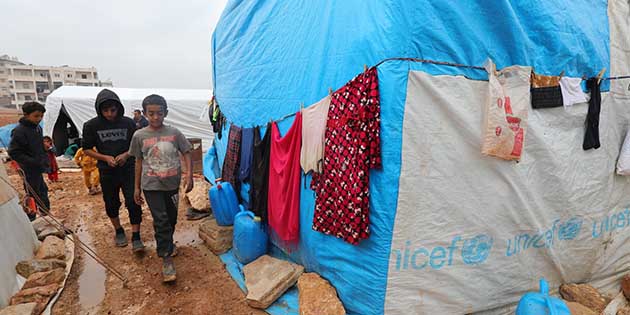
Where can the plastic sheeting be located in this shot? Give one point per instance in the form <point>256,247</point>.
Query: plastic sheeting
<point>186,108</point>
<point>269,56</point>
<point>18,243</point>
<point>5,135</point>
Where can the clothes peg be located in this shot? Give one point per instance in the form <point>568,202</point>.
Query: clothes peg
<point>301,105</point>
<point>561,74</point>
<point>365,68</point>
<point>330,91</point>
<point>600,74</point>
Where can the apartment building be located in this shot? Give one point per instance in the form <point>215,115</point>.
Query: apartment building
<point>20,83</point>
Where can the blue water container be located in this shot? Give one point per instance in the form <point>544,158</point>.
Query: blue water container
<point>224,203</point>
<point>250,240</point>
<point>535,303</point>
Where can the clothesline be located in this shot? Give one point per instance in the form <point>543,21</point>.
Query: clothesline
<point>435,62</point>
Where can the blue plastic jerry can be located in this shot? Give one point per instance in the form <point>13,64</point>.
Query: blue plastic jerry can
<point>224,203</point>
<point>250,239</point>
<point>535,303</point>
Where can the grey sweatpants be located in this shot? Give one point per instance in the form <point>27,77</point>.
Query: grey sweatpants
<point>163,206</point>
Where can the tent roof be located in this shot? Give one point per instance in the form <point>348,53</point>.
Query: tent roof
<point>188,108</point>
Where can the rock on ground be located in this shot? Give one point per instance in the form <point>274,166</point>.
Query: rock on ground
<point>217,238</point>
<point>39,279</point>
<point>622,311</point>
<point>39,295</point>
<point>26,268</point>
<point>267,278</point>
<point>52,248</point>
<point>579,309</point>
<point>625,286</point>
<point>198,197</point>
<point>317,296</point>
<point>50,231</point>
<point>584,294</point>
<point>19,309</point>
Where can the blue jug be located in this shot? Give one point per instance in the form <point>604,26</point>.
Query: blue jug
<point>534,303</point>
<point>224,203</point>
<point>250,240</point>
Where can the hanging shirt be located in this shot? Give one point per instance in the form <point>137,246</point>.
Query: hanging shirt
<point>352,146</point>
<point>260,173</point>
<point>232,157</point>
<point>313,131</point>
<point>247,148</point>
<point>283,201</point>
<point>572,91</point>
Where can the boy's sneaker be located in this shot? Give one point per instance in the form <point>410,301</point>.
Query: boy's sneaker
<point>121,239</point>
<point>174,252</point>
<point>168,270</point>
<point>137,246</point>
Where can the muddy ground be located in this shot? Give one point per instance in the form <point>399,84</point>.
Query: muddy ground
<point>203,285</point>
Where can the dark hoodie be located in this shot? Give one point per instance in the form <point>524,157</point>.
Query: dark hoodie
<point>27,147</point>
<point>109,137</point>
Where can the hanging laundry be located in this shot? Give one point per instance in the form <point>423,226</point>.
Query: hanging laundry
<point>314,120</point>
<point>352,147</point>
<point>572,91</point>
<point>217,119</point>
<point>591,136</point>
<point>232,158</point>
<point>505,117</point>
<point>247,148</point>
<point>260,173</point>
<point>284,182</point>
<point>545,91</point>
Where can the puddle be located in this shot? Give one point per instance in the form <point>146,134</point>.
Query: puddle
<point>92,279</point>
<point>182,237</point>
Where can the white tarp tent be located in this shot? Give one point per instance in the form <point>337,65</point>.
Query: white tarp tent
<point>18,241</point>
<point>187,109</point>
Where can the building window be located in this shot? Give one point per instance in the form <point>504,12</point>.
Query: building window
<point>28,98</point>
<point>26,86</point>
<point>57,85</point>
<point>41,74</point>
<point>1,71</point>
<point>69,75</point>
<point>84,76</point>
<point>95,76</point>
<point>57,75</point>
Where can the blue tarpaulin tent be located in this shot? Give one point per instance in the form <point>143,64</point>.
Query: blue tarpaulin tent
<point>271,56</point>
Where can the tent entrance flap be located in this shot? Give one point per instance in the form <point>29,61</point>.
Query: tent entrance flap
<point>65,132</point>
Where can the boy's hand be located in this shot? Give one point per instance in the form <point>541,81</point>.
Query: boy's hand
<point>137,197</point>
<point>189,184</point>
<point>122,159</point>
<point>111,161</point>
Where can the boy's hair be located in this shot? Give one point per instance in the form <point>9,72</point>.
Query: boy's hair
<point>47,138</point>
<point>109,104</point>
<point>154,99</point>
<point>137,111</point>
<point>31,107</point>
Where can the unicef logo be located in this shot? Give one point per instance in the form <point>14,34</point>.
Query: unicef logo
<point>570,229</point>
<point>476,249</point>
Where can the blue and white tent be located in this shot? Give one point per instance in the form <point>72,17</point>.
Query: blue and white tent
<point>452,231</point>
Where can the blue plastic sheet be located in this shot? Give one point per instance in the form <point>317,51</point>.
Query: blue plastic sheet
<point>287,304</point>
<point>5,135</point>
<point>270,56</point>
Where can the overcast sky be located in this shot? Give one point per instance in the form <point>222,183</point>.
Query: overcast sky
<point>135,43</point>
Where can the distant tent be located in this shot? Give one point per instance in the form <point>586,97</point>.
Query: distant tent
<point>69,107</point>
<point>5,134</point>
<point>452,231</point>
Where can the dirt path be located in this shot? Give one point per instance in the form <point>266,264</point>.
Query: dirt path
<point>203,285</point>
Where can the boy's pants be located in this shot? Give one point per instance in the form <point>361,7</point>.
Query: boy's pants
<point>36,181</point>
<point>163,206</point>
<point>91,178</point>
<point>112,181</point>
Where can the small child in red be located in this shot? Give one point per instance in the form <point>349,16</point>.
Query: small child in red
<point>53,171</point>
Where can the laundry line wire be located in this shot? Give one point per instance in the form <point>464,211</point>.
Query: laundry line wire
<point>428,61</point>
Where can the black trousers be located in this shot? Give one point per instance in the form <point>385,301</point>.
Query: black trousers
<point>112,182</point>
<point>36,181</point>
<point>163,206</point>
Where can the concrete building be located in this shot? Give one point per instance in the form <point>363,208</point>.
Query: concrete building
<point>20,83</point>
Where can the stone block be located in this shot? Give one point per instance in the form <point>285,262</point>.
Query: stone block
<point>267,278</point>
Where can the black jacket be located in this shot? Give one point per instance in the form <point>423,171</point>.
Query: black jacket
<point>109,137</point>
<point>27,147</point>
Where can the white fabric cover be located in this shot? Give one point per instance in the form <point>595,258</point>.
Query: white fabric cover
<point>187,109</point>
<point>572,91</point>
<point>460,213</point>
<point>17,242</point>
